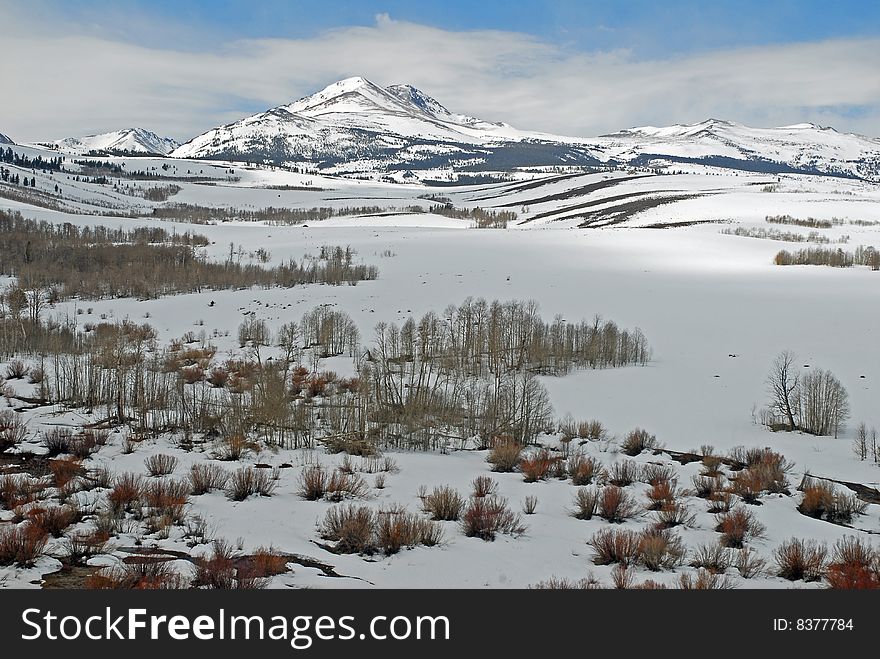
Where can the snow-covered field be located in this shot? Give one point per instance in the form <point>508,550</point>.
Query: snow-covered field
<point>714,308</point>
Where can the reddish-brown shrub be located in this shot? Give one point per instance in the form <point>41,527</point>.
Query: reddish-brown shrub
<point>65,470</point>
<point>660,549</point>
<point>21,544</point>
<point>538,465</point>
<point>144,574</point>
<point>167,498</point>
<point>267,562</point>
<point>799,559</point>
<point>127,490</point>
<point>662,494</point>
<point>855,565</point>
<point>484,486</point>
<point>738,526</point>
<point>484,517</point>
<point>351,527</point>
<point>57,441</point>
<point>53,520</point>
<point>615,505</point>
<point>615,546</point>
<point>706,487</point>
<point>582,469</point>
<point>17,490</point>
<point>822,501</point>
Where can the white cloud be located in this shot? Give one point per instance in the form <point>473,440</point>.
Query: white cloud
<point>82,82</point>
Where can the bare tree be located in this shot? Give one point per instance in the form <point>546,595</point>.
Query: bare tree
<point>782,385</point>
<point>860,443</point>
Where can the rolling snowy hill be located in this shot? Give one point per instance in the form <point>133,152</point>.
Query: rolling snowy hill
<point>127,140</point>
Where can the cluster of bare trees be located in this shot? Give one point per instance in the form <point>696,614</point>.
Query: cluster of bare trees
<point>836,258</point>
<point>785,236</point>
<point>482,219</point>
<point>435,382</point>
<point>815,403</point>
<point>52,262</point>
<point>481,337</point>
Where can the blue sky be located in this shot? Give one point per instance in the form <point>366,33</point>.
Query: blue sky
<point>647,27</point>
<point>564,66</point>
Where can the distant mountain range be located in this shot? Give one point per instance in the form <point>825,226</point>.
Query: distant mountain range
<point>355,126</point>
<point>125,141</point>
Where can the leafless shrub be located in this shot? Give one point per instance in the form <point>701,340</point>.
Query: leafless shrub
<point>54,519</point>
<point>674,513</point>
<point>13,429</point>
<point>654,473</point>
<point>660,549</point>
<point>21,544</point>
<point>141,575</point>
<point>484,517</point>
<point>346,486</point>
<point>615,505</point>
<point>505,456</point>
<point>738,526</point>
<point>126,492</point>
<point>822,501</point>
<point>561,583</point>
<point>622,576</point>
<point>57,441</point>
<point>704,580</point>
<point>537,466</point>
<point>586,500</point>
<point>444,503</point>
<point>530,504</point>
<point>205,478</point>
<point>714,558</point>
<point>749,563</point>
<point>638,440</point>
<point>592,431</point>
<point>16,370</point>
<point>484,486</point>
<point>624,472</point>
<point>854,565</point>
<point>583,470</point>
<point>706,487</point>
<point>801,559</point>
<point>615,546</point>
<point>160,464</point>
<point>662,494</point>
<point>313,483</point>
<point>79,547</point>
<point>379,481</point>
<point>167,498</point>
<point>351,528</point>
<point>398,529</point>
<point>721,502</point>
<point>247,481</point>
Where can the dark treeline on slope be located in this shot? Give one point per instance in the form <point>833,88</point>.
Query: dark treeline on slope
<point>197,214</point>
<point>52,262</point>
<point>11,157</point>
<point>836,258</point>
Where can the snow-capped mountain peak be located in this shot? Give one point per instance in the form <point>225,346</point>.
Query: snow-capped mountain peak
<point>4,139</point>
<point>126,140</point>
